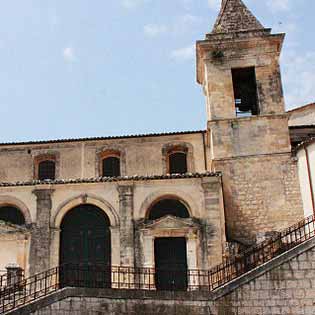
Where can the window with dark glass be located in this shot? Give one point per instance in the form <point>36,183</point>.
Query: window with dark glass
<point>245,91</point>
<point>168,207</point>
<point>111,167</point>
<point>46,170</point>
<point>177,163</point>
<point>11,215</point>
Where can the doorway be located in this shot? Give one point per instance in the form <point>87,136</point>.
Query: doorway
<point>85,248</point>
<point>170,263</point>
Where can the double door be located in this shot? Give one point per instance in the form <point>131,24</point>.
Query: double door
<point>170,263</point>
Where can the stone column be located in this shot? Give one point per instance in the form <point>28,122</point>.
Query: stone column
<point>127,245</point>
<point>40,238</point>
<point>214,238</point>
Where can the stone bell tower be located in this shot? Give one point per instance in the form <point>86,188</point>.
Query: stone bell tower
<point>248,137</point>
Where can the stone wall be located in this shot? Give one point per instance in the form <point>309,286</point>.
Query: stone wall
<point>261,193</point>
<point>285,285</point>
<point>249,136</point>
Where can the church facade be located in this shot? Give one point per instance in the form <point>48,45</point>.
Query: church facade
<point>183,201</point>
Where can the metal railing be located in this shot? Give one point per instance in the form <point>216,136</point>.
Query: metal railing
<point>8,278</point>
<point>259,254</point>
<point>117,277</point>
<point>100,276</point>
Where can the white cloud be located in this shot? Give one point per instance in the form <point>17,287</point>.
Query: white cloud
<point>129,4</point>
<point>185,23</point>
<point>278,5</point>
<point>214,4</point>
<point>153,30</point>
<point>299,77</point>
<point>181,24</point>
<point>68,54</point>
<point>183,54</point>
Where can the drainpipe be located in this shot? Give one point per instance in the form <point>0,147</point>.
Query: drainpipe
<point>309,177</point>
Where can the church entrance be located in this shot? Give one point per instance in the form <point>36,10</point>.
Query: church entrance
<point>85,248</point>
<point>170,263</point>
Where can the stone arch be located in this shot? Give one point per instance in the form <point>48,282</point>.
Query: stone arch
<point>86,199</point>
<point>183,197</point>
<point>17,203</point>
<point>178,146</point>
<point>114,149</point>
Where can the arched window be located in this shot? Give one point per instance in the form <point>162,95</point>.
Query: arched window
<point>46,170</point>
<point>12,215</point>
<point>111,166</point>
<point>177,162</point>
<point>168,207</point>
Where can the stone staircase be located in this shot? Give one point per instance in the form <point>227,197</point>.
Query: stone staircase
<point>64,283</point>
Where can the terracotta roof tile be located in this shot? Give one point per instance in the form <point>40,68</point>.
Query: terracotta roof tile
<point>103,138</point>
<point>110,179</point>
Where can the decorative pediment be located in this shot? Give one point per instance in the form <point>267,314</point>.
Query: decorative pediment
<point>169,222</point>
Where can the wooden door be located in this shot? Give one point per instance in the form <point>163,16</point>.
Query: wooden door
<point>170,263</point>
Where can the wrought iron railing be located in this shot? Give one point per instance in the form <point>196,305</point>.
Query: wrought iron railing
<point>100,276</point>
<point>10,278</point>
<point>259,254</point>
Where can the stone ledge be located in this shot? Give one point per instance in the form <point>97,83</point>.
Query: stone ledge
<point>109,294</point>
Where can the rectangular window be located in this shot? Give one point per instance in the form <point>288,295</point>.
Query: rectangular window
<point>245,92</point>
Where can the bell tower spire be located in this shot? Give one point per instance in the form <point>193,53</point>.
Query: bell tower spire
<point>247,129</point>
<point>234,16</point>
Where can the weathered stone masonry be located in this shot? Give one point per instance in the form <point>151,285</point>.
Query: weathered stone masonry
<point>127,247</point>
<point>40,238</point>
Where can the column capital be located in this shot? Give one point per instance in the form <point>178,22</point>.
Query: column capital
<point>210,185</point>
<point>43,194</point>
<point>125,189</point>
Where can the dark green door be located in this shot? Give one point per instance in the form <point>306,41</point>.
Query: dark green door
<point>85,252</point>
<point>170,263</point>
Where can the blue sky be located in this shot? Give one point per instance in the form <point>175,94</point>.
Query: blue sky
<point>80,68</point>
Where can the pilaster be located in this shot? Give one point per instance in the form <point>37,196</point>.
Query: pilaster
<point>40,237</point>
<point>126,206</point>
<point>214,231</point>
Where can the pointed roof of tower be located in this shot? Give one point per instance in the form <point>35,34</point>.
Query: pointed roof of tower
<point>234,16</point>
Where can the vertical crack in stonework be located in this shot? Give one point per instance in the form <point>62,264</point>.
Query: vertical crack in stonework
<point>234,16</point>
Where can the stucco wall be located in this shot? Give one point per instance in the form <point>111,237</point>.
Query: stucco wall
<point>79,159</point>
<point>302,116</point>
<point>47,205</point>
<point>14,248</point>
<point>307,176</point>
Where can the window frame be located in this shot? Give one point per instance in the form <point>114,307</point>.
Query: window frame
<point>172,152</point>
<point>254,110</point>
<point>42,158</point>
<point>180,147</point>
<point>116,156</point>
<point>108,154</point>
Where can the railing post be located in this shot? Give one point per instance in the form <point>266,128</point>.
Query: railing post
<point>14,274</point>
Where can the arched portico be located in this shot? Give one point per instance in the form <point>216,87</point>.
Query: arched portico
<point>86,199</point>
<point>6,200</point>
<point>192,207</point>
<point>85,243</point>
<point>73,203</point>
